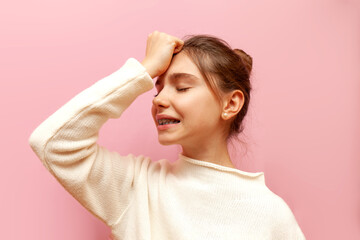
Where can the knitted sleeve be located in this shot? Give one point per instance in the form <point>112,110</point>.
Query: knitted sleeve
<point>101,180</point>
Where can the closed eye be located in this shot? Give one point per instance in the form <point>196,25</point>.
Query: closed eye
<point>178,89</point>
<point>182,89</point>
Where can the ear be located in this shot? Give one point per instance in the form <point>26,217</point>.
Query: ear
<point>232,104</point>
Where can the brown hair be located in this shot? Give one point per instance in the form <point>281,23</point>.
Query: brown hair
<point>223,68</point>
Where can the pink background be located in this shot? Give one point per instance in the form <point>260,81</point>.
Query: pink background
<point>302,129</point>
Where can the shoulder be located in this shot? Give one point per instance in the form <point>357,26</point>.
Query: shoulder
<point>283,221</point>
<point>145,163</point>
<point>278,208</point>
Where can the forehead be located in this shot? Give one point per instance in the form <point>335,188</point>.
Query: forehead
<point>181,67</point>
<point>177,76</point>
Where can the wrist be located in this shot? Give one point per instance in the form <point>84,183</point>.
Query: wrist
<point>148,68</point>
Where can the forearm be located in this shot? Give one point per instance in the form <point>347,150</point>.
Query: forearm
<point>90,109</point>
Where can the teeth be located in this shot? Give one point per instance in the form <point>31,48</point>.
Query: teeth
<point>167,121</point>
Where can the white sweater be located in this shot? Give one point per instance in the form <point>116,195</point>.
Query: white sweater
<point>143,199</point>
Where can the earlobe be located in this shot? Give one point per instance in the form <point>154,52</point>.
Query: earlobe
<point>225,115</point>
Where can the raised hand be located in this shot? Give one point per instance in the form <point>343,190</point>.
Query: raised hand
<point>160,48</point>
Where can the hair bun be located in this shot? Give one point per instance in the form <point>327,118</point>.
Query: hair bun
<point>245,58</point>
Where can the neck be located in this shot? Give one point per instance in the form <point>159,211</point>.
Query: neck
<point>213,152</point>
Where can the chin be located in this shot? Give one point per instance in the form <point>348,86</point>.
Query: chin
<point>166,142</point>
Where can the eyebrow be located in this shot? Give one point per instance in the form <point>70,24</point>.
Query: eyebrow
<point>176,76</point>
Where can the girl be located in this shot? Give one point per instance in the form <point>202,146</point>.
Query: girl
<point>203,93</point>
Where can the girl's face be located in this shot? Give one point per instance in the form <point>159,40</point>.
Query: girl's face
<point>183,95</point>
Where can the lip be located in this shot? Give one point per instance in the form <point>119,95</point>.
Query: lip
<point>167,126</point>
<point>162,116</point>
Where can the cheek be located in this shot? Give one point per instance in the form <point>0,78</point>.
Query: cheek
<point>201,111</point>
<point>207,115</point>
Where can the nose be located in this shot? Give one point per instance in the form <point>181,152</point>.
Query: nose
<point>161,100</point>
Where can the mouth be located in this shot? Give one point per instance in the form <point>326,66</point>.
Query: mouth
<point>165,121</point>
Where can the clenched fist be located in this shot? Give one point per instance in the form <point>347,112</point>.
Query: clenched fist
<point>160,48</point>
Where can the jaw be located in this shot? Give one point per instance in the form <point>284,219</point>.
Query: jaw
<point>171,136</point>
<point>166,140</point>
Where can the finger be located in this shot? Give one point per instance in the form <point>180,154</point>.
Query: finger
<point>178,45</point>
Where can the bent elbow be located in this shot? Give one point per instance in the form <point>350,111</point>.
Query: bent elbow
<point>36,143</point>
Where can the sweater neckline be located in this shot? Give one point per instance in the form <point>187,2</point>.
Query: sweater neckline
<point>218,167</point>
